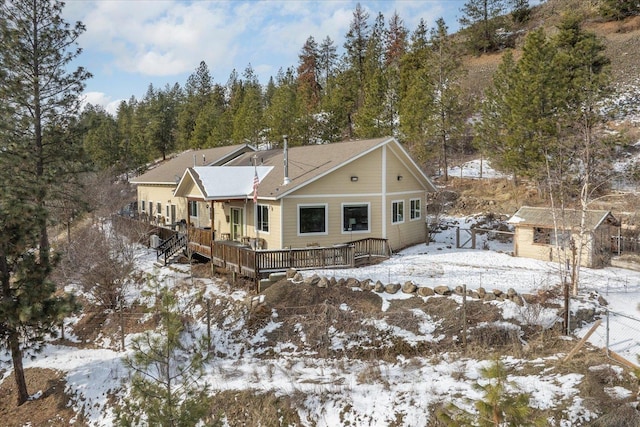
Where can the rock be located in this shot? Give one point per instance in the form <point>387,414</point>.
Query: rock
<point>323,282</point>
<point>482,292</point>
<point>298,277</point>
<point>517,299</point>
<point>366,285</point>
<point>602,301</point>
<point>511,292</point>
<point>529,298</point>
<point>392,288</point>
<point>459,290</point>
<point>352,283</point>
<point>291,273</point>
<point>497,292</point>
<point>489,297</point>
<point>313,280</point>
<point>442,290</point>
<point>409,287</point>
<point>342,281</point>
<point>378,287</point>
<point>333,281</point>
<point>425,291</point>
<point>276,277</point>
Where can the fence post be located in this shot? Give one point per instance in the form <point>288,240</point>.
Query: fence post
<point>607,339</point>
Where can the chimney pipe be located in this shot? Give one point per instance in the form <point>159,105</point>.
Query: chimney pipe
<point>286,160</point>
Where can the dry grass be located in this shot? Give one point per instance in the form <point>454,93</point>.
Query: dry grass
<point>251,408</point>
<point>50,409</point>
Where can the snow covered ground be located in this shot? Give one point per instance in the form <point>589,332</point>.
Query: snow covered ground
<point>406,387</point>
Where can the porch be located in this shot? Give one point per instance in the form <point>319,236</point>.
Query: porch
<point>245,258</point>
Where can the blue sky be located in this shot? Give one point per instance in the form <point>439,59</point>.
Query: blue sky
<point>129,44</point>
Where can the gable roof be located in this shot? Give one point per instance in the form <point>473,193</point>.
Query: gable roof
<point>170,172</point>
<point>309,163</point>
<point>222,182</point>
<point>543,217</point>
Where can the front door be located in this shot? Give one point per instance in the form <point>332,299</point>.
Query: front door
<point>237,225</point>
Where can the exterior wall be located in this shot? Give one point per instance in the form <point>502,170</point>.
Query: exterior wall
<point>524,247</point>
<point>163,194</point>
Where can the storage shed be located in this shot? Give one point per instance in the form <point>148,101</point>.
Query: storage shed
<point>547,234</point>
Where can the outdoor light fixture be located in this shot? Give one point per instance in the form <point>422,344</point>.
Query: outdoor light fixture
<point>399,177</point>
<point>354,178</point>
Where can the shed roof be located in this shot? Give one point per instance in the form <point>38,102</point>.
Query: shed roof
<point>170,171</point>
<point>222,182</point>
<point>567,218</point>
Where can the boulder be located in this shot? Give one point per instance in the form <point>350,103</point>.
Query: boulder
<point>481,292</point>
<point>409,287</point>
<point>276,277</point>
<point>291,273</point>
<point>517,299</point>
<point>352,283</point>
<point>489,297</point>
<point>313,280</point>
<point>378,287</point>
<point>366,285</point>
<point>425,291</point>
<point>442,290</point>
<point>511,292</point>
<point>323,282</point>
<point>392,288</point>
<point>298,277</point>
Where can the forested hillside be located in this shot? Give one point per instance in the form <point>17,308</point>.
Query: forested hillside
<point>423,85</point>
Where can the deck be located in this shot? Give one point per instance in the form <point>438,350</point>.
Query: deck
<point>242,259</point>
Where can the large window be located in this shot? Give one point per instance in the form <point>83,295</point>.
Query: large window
<point>415,209</point>
<point>263,218</point>
<point>355,217</point>
<point>397,211</point>
<point>193,208</point>
<point>312,219</point>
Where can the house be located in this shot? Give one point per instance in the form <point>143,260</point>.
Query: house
<point>543,234</point>
<point>155,187</point>
<point>315,195</point>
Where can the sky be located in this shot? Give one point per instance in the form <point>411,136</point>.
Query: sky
<point>129,44</point>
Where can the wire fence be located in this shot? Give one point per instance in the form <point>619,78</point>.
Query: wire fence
<point>621,339</point>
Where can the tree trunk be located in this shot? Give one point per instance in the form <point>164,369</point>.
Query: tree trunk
<point>18,369</point>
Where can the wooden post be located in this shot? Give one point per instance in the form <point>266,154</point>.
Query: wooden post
<point>457,237</point>
<point>208,324</point>
<point>464,318</point>
<point>583,340</point>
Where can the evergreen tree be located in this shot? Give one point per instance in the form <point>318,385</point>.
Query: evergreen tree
<point>396,47</point>
<point>309,88</point>
<point>39,98</point>
<point>446,121</point>
<point>501,405</point>
<point>417,94</point>
<point>619,9</point>
<point>247,120</point>
<point>481,21</point>
<point>198,90</point>
<point>167,366</point>
<point>281,114</point>
<point>373,118</point>
<point>327,63</point>
<point>101,141</point>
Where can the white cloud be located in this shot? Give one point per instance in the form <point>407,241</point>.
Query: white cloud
<point>103,100</point>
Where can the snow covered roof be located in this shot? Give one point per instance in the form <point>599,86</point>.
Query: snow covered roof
<point>566,218</point>
<point>222,182</point>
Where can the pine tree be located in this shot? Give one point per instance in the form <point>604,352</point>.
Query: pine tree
<point>327,62</point>
<point>280,115</point>
<point>39,98</point>
<point>198,90</point>
<point>309,88</point>
<point>167,388</point>
<point>501,403</point>
<point>481,21</point>
<point>247,119</point>
<point>396,47</point>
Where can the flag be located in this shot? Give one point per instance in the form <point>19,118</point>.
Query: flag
<point>256,181</point>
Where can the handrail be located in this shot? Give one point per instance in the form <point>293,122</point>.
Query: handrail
<point>170,246</point>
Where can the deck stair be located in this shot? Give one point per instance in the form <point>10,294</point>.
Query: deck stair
<point>171,246</point>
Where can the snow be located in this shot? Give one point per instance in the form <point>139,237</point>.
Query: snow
<point>375,391</point>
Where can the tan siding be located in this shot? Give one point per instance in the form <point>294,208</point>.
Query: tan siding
<point>366,169</point>
<point>524,247</point>
<point>396,169</point>
<point>410,232</point>
<point>164,195</point>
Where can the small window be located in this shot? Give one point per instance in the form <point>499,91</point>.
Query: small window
<point>355,217</point>
<point>159,208</point>
<point>312,219</point>
<point>263,218</point>
<point>167,215</point>
<point>142,207</point>
<point>542,235</point>
<point>193,208</point>
<point>397,211</point>
<point>415,209</point>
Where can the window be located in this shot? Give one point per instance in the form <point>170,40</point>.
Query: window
<point>159,208</point>
<point>547,236</point>
<point>167,215</point>
<point>193,208</point>
<point>415,209</point>
<point>263,218</point>
<point>355,217</point>
<point>312,219</point>
<point>142,205</point>
<point>397,211</point>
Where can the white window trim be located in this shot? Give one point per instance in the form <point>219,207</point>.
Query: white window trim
<point>197,208</point>
<point>268,207</point>
<point>368,230</point>
<point>419,210</point>
<point>403,214</point>
<point>326,218</point>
